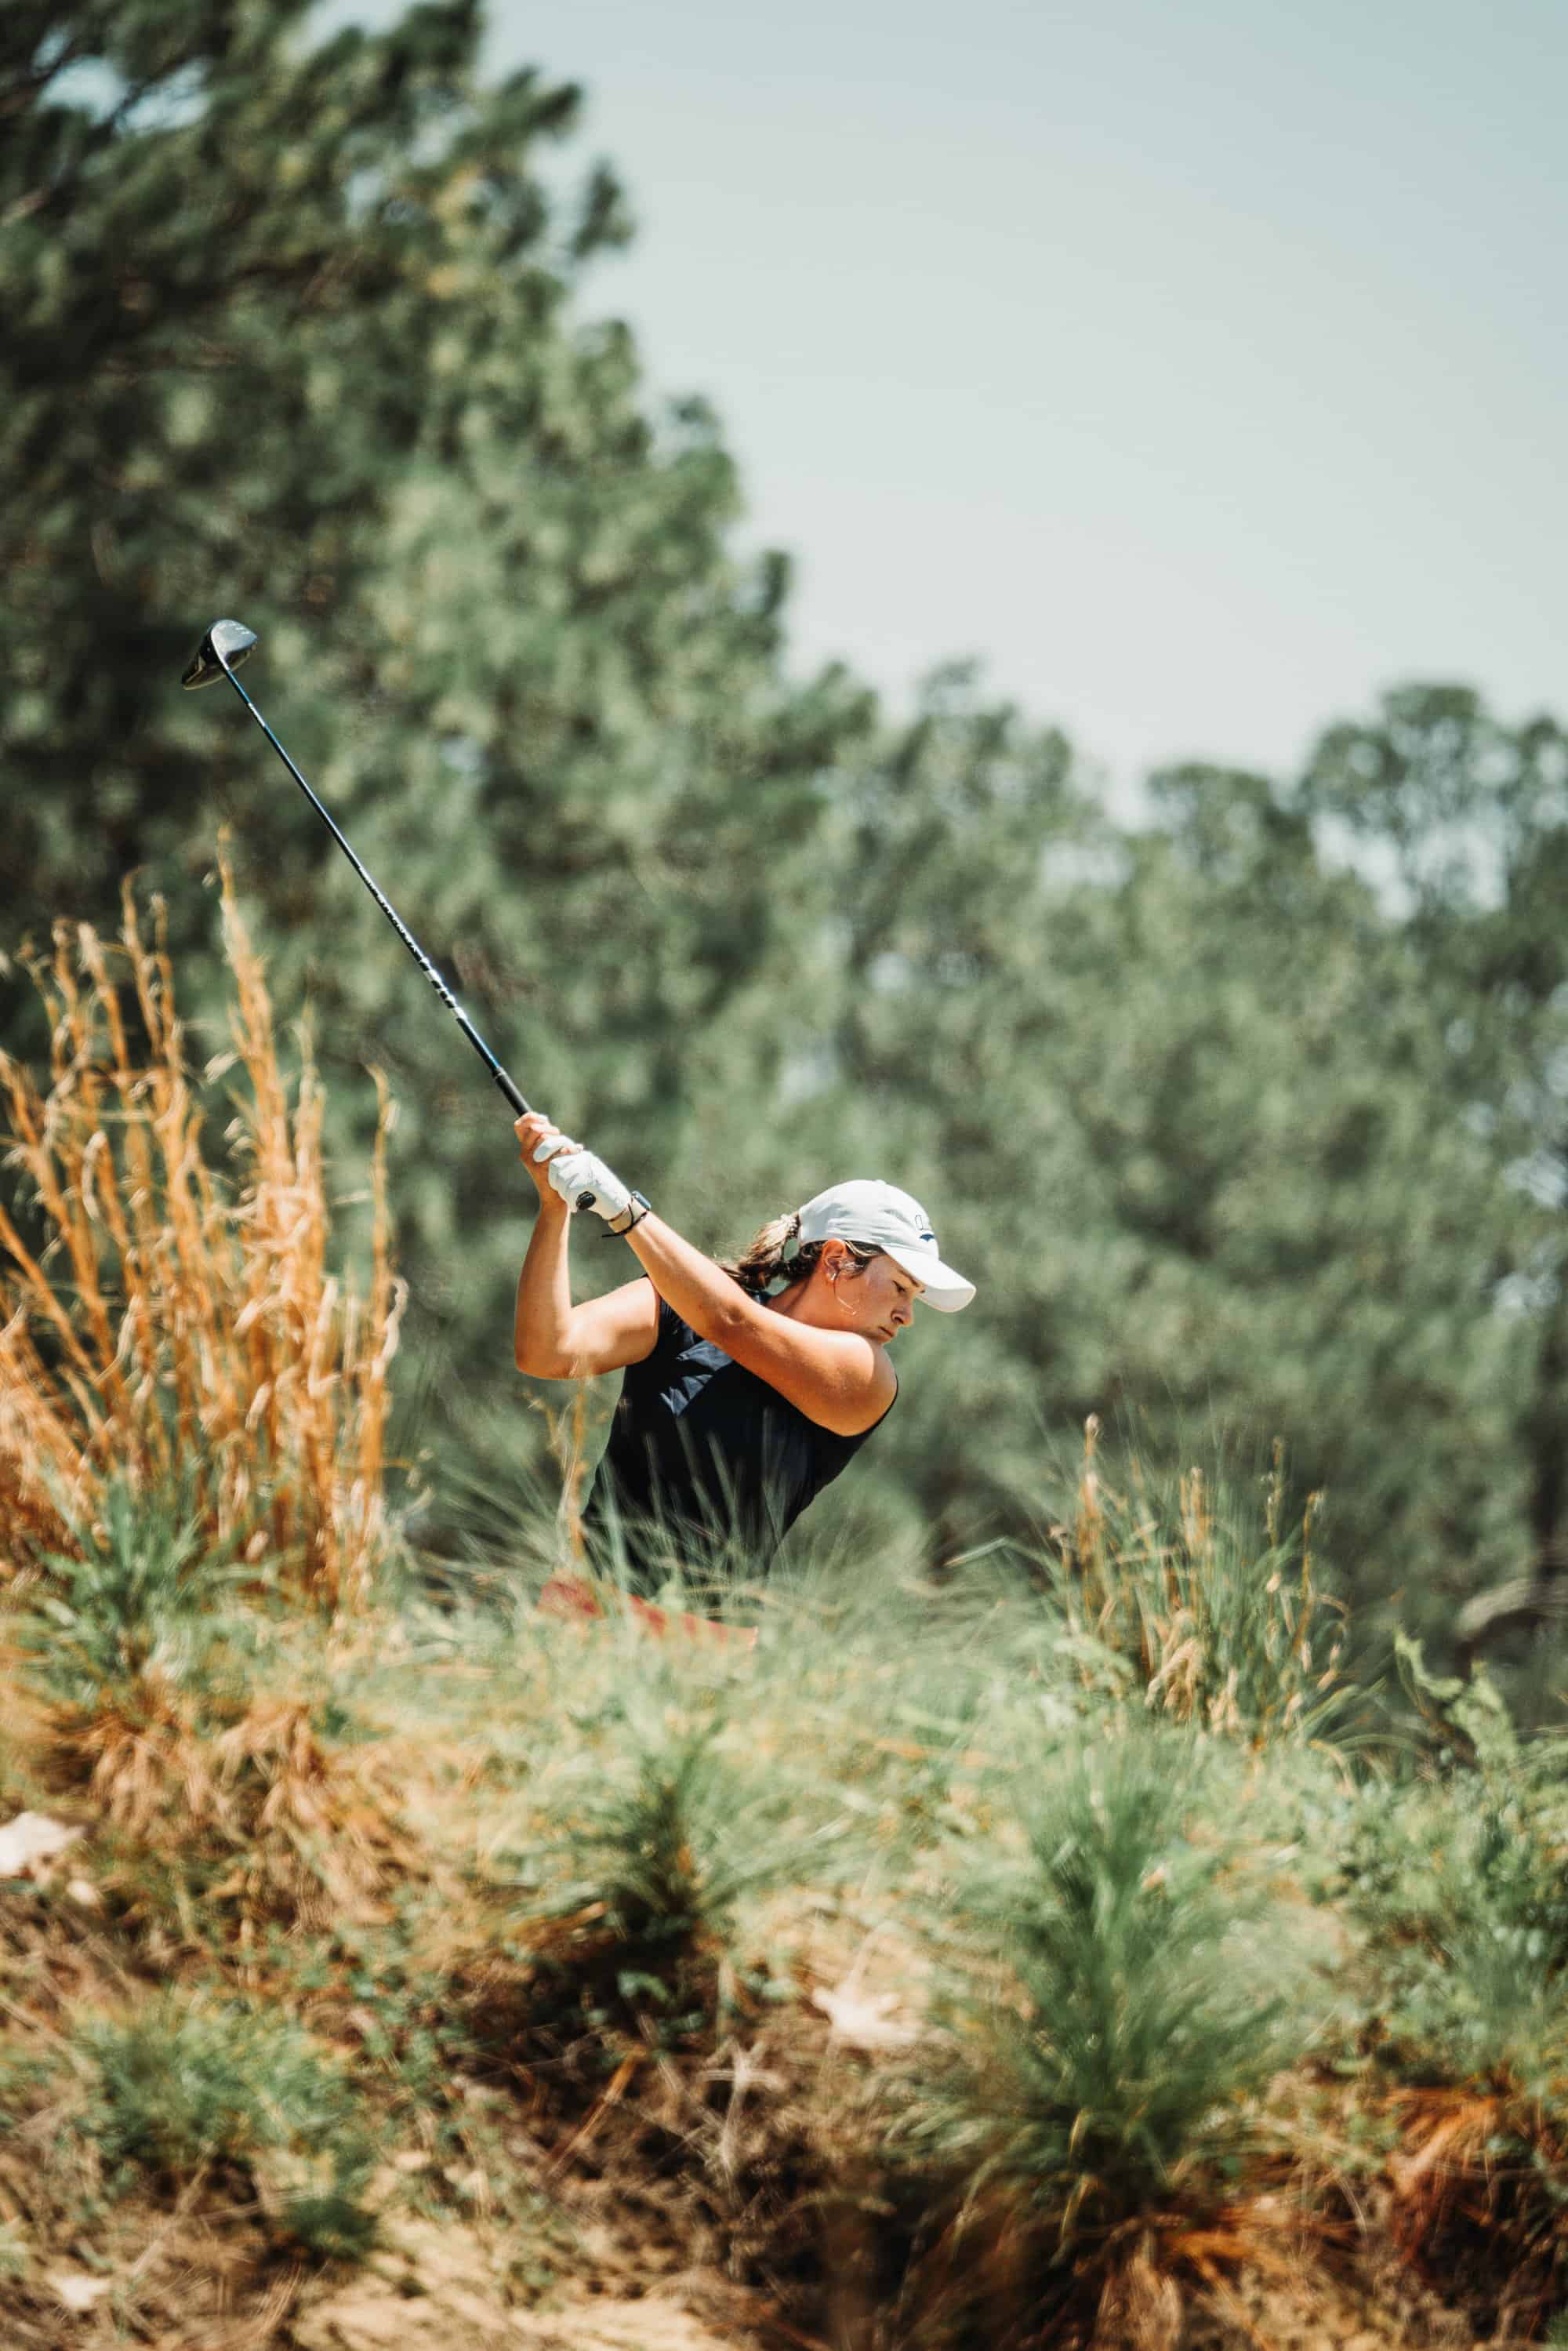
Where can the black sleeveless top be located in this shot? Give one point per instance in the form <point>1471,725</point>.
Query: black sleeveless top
<point>706,1468</point>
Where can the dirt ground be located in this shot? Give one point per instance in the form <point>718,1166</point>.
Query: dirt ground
<point>435,2288</point>
<point>438,2286</point>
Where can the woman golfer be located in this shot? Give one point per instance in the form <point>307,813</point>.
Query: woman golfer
<point>738,1407</point>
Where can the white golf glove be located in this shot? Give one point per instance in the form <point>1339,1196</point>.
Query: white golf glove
<point>584,1181</point>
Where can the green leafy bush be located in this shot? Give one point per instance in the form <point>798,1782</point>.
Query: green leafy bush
<point>1456,1879</point>
<point>1113,1996</point>
<point>1460,1887</point>
<point>182,2088</point>
<point>144,1590</point>
<point>1459,1880</point>
<point>670,1819</point>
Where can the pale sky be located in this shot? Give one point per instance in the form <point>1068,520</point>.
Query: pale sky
<point>1199,366</point>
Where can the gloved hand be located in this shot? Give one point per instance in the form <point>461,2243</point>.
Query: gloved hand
<point>584,1181</point>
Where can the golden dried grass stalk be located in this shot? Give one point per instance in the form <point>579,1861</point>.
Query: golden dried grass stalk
<point>142,1754</point>
<point>315,1828</point>
<point>1201,1609</point>
<point>163,1317</point>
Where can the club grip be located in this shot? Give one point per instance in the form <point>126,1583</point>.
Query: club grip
<point>510,1091</point>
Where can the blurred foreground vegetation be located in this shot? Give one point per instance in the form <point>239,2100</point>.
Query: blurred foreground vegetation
<point>1066,1950</point>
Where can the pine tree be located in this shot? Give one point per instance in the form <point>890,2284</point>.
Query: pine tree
<point>1470,818</point>
<point>297,335</point>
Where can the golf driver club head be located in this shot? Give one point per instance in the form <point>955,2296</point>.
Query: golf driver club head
<point>224,646</point>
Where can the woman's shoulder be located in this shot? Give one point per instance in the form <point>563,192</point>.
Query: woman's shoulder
<point>850,1443</point>
<point>674,1332</point>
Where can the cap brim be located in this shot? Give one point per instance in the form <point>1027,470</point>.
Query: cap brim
<point>947,1290</point>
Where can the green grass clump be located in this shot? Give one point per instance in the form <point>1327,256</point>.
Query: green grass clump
<point>1459,1880</point>
<point>160,1681</point>
<point>1115,1997</point>
<point>669,1821</point>
<point>144,1590</point>
<point>184,2089</point>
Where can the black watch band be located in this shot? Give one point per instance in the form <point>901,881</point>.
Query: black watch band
<point>631,1215</point>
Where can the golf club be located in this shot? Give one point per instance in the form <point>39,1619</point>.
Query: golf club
<point>219,655</point>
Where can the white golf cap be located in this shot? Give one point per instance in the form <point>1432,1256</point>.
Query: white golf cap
<point>879,1216</point>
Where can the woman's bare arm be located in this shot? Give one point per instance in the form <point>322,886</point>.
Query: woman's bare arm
<point>839,1379</point>
<point>558,1341</point>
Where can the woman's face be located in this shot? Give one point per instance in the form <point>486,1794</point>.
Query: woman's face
<point>877,1298</point>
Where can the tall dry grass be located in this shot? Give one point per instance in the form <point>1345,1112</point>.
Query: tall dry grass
<point>1210,1604</point>
<point>167,1313</point>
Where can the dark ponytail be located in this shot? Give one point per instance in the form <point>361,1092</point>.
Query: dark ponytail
<point>778,1253</point>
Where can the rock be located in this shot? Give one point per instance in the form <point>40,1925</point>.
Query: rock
<point>865,2020</point>
<point>77,2291</point>
<point>31,1844</point>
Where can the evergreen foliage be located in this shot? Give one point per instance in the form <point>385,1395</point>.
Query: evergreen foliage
<point>1129,1994</point>
<point>1471,817</point>
<point>1249,1122</point>
<point>182,2088</point>
<point>984,1896</point>
<point>291,334</point>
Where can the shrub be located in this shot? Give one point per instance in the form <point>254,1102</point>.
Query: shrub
<point>1114,1998</point>
<point>141,1592</point>
<point>182,2089</point>
<point>1456,1878</point>
<point>1459,1890</point>
<point>1456,1881</point>
<point>669,1819</point>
